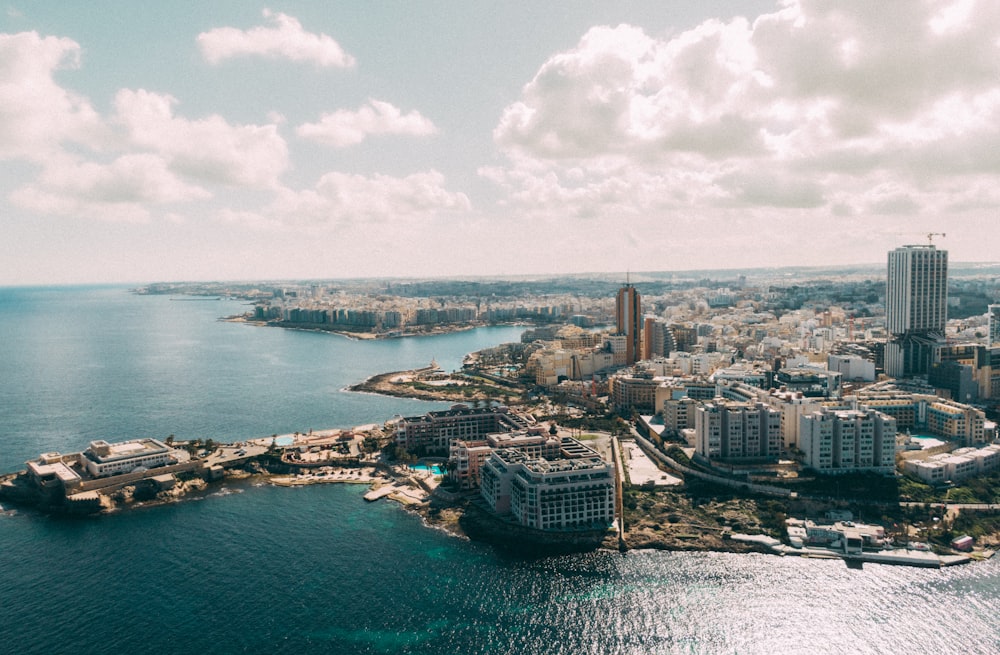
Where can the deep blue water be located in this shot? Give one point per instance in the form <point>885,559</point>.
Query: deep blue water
<point>316,569</point>
<point>100,363</point>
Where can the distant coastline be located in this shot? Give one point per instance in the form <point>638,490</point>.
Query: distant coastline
<point>353,334</point>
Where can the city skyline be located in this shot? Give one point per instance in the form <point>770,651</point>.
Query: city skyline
<point>314,140</point>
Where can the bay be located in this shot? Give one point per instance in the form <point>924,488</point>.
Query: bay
<point>261,569</point>
<point>100,363</point>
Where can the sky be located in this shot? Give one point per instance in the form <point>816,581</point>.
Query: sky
<point>185,140</point>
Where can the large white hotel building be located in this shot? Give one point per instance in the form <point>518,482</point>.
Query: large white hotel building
<point>573,492</point>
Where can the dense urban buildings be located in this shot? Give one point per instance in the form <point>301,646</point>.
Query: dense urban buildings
<point>916,308</point>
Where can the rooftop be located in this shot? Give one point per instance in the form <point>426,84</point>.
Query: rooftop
<point>101,451</point>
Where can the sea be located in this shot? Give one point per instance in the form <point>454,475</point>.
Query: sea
<point>253,568</point>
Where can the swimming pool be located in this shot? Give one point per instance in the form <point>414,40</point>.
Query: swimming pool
<point>286,440</point>
<point>926,442</point>
<point>435,469</point>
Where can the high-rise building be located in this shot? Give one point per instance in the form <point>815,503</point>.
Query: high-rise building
<point>993,338</point>
<point>916,308</point>
<point>658,340</point>
<point>628,314</point>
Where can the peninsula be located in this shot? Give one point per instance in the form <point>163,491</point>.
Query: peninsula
<point>751,412</point>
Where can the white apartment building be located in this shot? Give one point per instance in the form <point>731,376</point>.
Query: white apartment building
<point>680,414</point>
<point>956,466</point>
<point>792,406</point>
<point>851,367</point>
<point>736,431</point>
<point>843,441</point>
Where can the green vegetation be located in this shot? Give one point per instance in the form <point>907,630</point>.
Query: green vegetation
<point>398,453</point>
<point>861,486</point>
<point>916,491</point>
<point>976,525</point>
<point>976,490</point>
<point>675,453</point>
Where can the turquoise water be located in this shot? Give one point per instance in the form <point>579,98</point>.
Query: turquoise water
<point>435,469</point>
<point>927,442</point>
<point>284,441</point>
<point>246,569</point>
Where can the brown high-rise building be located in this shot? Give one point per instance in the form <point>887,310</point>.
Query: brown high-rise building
<point>628,314</point>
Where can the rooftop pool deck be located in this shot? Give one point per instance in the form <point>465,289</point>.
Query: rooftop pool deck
<point>435,469</point>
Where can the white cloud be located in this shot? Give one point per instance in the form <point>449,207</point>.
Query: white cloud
<point>283,38</point>
<point>208,150</point>
<point>36,114</point>
<point>818,109</point>
<point>120,190</point>
<point>339,199</point>
<point>344,128</point>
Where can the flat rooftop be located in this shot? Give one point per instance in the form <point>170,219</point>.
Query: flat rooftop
<point>55,469</point>
<point>102,451</point>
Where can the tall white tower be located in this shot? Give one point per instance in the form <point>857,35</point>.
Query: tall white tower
<point>916,308</point>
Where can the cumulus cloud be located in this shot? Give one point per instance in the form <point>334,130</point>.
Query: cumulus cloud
<point>119,190</point>
<point>282,38</point>
<point>340,199</point>
<point>344,128</point>
<point>37,115</point>
<point>853,108</point>
<point>209,150</point>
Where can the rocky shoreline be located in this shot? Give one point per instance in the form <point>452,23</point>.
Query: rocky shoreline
<point>685,529</point>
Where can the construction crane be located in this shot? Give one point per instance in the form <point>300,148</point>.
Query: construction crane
<point>930,235</point>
